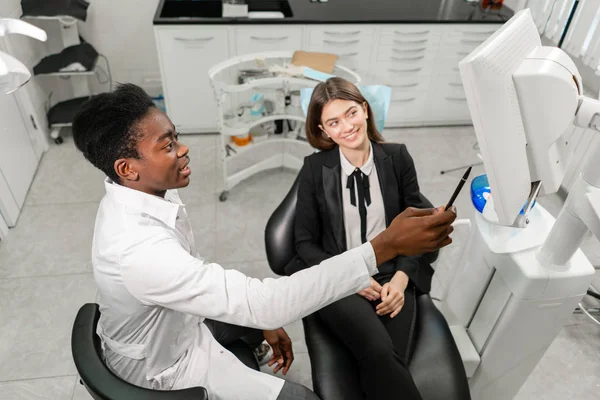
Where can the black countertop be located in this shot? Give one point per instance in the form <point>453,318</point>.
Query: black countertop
<point>333,12</point>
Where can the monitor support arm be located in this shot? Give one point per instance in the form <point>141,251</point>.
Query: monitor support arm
<point>581,211</point>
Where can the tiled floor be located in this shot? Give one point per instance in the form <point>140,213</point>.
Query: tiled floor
<point>45,271</point>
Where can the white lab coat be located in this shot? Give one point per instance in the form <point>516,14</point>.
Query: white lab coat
<point>155,292</point>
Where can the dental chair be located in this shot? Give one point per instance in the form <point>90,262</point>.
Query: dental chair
<point>103,384</point>
<point>435,364</point>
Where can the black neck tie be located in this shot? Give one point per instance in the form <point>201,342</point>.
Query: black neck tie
<point>364,197</point>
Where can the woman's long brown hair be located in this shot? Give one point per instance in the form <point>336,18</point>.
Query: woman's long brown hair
<point>334,89</point>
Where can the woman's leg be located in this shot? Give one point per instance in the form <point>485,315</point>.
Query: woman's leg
<point>401,328</point>
<point>383,375</point>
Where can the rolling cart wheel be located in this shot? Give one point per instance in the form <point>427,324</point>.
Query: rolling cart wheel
<point>58,140</point>
<point>223,195</point>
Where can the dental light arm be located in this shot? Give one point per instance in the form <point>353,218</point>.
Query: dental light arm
<point>9,25</point>
<point>13,74</point>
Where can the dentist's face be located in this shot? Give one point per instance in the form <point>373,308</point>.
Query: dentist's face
<point>345,122</point>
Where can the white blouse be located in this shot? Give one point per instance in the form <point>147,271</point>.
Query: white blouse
<point>375,211</point>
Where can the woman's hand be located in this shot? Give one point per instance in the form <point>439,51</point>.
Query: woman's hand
<point>392,295</point>
<point>281,344</point>
<point>372,293</point>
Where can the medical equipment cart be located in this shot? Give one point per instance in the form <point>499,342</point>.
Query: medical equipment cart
<point>245,87</point>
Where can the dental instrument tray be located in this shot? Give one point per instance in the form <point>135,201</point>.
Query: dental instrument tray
<point>257,99</point>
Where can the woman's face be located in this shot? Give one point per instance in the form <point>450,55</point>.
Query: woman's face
<point>345,122</point>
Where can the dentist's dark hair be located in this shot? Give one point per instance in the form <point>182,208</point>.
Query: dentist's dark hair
<point>105,128</point>
<point>334,89</point>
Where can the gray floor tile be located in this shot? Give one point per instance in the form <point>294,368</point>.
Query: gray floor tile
<point>37,316</point>
<point>204,224</point>
<point>570,369</point>
<point>81,392</point>
<point>241,220</point>
<point>299,371</point>
<point>202,189</point>
<point>295,331</point>
<point>65,176</point>
<point>49,240</point>
<point>38,389</point>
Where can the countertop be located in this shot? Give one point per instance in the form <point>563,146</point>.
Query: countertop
<point>345,12</point>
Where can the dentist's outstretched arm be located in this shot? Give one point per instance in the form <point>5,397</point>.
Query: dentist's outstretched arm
<point>160,271</point>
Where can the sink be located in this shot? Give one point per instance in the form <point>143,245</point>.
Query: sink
<point>214,8</point>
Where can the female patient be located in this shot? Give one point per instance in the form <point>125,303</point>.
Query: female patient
<point>348,193</point>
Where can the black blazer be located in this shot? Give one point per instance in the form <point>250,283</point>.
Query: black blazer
<point>319,227</point>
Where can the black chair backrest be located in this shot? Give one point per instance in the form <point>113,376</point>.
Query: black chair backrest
<point>279,233</point>
<point>100,382</point>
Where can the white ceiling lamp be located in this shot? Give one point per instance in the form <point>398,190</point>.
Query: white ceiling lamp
<point>13,73</point>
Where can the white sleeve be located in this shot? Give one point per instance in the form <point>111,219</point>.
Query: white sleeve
<point>159,271</point>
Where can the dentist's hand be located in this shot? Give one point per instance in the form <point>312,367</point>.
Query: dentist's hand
<point>413,232</point>
<point>283,355</point>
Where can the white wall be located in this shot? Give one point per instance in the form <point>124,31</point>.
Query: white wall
<point>122,31</point>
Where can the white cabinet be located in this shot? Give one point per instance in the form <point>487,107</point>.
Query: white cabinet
<point>18,161</point>
<point>419,62</point>
<point>186,54</point>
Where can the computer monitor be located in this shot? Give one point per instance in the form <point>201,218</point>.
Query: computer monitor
<point>487,76</point>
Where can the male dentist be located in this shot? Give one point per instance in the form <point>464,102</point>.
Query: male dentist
<point>166,312</point>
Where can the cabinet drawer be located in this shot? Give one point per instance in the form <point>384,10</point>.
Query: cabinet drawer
<point>449,85</point>
<point>448,108</point>
<point>416,40</point>
<point>186,55</point>
<point>404,66</point>
<point>470,30</point>
<point>406,107</point>
<point>390,73</point>
<point>254,40</point>
<point>447,103</point>
<point>447,67</point>
<point>320,34</point>
<point>404,85</point>
<point>395,54</point>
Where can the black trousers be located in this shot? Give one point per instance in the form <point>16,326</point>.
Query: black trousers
<point>380,345</point>
<point>226,334</point>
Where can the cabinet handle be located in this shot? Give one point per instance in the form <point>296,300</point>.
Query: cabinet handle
<point>269,38</point>
<point>410,41</point>
<point>349,54</point>
<point>336,42</point>
<point>202,39</point>
<point>406,85</point>
<point>462,53</point>
<point>471,41</point>
<point>349,33</point>
<point>407,58</point>
<point>456,99</point>
<point>477,32</point>
<point>412,33</point>
<point>409,50</point>
<point>455,84</point>
<point>404,100</point>
<point>404,70</point>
